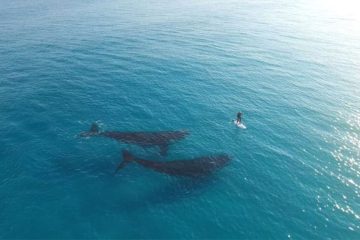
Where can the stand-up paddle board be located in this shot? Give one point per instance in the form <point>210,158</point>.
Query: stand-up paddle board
<point>239,125</point>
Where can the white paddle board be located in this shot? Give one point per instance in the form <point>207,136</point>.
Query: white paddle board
<point>239,125</point>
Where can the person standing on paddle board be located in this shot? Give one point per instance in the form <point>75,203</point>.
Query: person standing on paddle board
<point>238,118</point>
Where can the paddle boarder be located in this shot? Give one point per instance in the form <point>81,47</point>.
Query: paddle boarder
<point>238,118</point>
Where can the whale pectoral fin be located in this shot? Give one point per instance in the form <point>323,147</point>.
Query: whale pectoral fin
<point>163,149</point>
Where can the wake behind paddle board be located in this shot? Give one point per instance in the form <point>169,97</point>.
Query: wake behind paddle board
<point>239,125</point>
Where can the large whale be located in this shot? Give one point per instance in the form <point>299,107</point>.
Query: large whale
<point>195,167</point>
<point>161,139</point>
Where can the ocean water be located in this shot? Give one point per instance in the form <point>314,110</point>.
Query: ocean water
<point>292,68</point>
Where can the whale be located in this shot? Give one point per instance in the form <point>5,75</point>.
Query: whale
<point>195,167</point>
<point>162,139</point>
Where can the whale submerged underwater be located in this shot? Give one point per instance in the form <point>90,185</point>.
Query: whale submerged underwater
<point>194,167</point>
<point>162,139</point>
<point>187,167</point>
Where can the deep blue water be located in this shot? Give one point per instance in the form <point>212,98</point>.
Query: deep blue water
<point>293,69</point>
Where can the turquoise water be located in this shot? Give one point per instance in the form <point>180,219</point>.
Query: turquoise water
<point>291,68</point>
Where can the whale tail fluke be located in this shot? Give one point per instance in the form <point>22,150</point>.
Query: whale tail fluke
<point>93,131</point>
<point>128,157</point>
<point>94,128</point>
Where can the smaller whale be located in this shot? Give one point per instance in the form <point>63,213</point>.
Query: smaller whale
<point>195,167</point>
<point>161,139</point>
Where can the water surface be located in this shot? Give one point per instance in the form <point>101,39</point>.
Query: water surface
<point>291,68</point>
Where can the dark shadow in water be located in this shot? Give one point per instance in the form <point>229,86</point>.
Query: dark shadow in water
<point>175,190</point>
<point>170,190</point>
